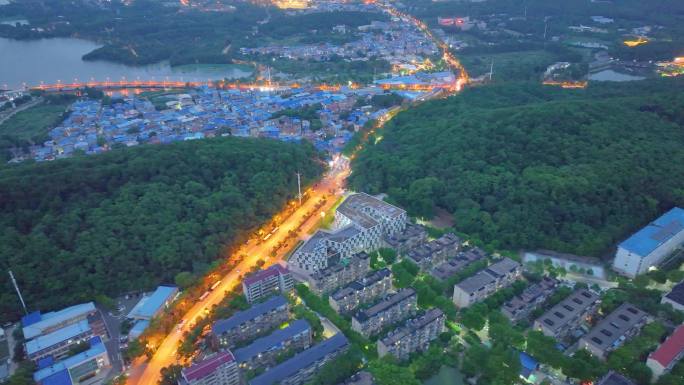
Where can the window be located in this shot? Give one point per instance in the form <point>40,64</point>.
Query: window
<point>559,314</point>
<point>624,317</point>
<point>549,322</point>
<point>568,308</point>
<point>597,340</point>
<point>577,301</point>
<point>586,295</point>
<point>606,333</point>
<point>632,310</point>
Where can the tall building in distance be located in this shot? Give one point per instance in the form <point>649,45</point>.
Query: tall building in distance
<point>649,246</point>
<point>219,369</point>
<point>263,283</point>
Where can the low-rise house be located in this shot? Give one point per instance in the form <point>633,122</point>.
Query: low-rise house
<point>611,332</point>
<point>263,351</point>
<point>520,306</point>
<point>218,369</point>
<point>415,335</point>
<point>302,367</point>
<point>395,308</point>
<point>251,323</point>
<point>435,252</point>
<point>663,359</point>
<point>337,275</point>
<point>456,264</point>
<point>486,282</point>
<point>675,297</point>
<point>567,315</point>
<point>412,236</point>
<point>275,279</point>
<point>364,290</point>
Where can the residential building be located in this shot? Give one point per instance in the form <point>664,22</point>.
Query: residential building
<point>150,306</point>
<point>614,378</point>
<point>567,315</point>
<point>335,276</point>
<point>675,297</point>
<point>263,351</point>
<point>58,342</point>
<point>302,367</point>
<point>520,306</point>
<point>435,252</point>
<point>619,326</point>
<point>456,264</point>
<point>649,246</point>
<point>275,279</point>
<point>671,351</point>
<point>218,369</point>
<point>250,323</point>
<point>486,282</point>
<point>415,335</point>
<point>82,368</point>
<point>36,324</point>
<point>393,309</point>
<point>412,236</point>
<point>364,290</point>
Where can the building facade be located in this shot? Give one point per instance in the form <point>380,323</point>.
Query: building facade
<point>275,279</point>
<point>520,306</point>
<point>251,323</point>
<point>416,335</point>
<point>567,315</point>
<point>651,245</point>
<point>219,369</point>
<point>412,236</point>
<point>335,276</point>
<point>364,290</point>
<point>263,351</point>
<point>393,309</point>
<point>485,283</point>
<point>611,332</point>
<point>435,252</point>
<point>668,354</point>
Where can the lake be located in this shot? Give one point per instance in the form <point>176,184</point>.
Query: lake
<point>51,60</point>
<point>613,76</point>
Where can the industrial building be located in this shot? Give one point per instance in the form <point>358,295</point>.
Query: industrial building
<point>58,342</point>
<point>80,369</point>
<point>36,324</point>
<point>150,306</point>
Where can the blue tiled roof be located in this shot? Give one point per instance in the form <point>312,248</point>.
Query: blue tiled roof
<point>271,341</point>
<point>96,348</point>
<point>51,339</point>
<point>35,323</point>
<point>644,241</point>
<point>148,307</point>
<point>59,378</point>
<point>239,318</point>
<point>301,361</point>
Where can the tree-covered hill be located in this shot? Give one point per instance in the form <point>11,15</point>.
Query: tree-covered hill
<point>522,166</point>
<point>134,218</point>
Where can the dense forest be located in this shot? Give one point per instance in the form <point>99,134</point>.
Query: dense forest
<point>524,166</point>
<point>133,218</point>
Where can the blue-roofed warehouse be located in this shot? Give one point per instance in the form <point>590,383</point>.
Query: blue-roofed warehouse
<point>84,364</point>
<point>36,324</point>
<point>151,305</point>
<point>651,245</point>
<point>263,351</point>
<point>57,343</point>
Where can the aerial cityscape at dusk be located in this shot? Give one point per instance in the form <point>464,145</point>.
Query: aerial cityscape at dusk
<point>342,192</point>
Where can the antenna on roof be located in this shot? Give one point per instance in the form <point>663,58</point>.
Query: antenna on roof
<point>16,287</point>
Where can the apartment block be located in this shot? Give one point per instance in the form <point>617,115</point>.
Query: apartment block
<point>486,282</point>
<point>395,308</point>
<point>611,332</point>
<point>520,306</point>
<point>456,264</point>
<point>567,315</point>
<point>251,323</point>
<point>335,276</point>
<point>412,236</point>
<point>263,283</point>
<point>218,369</point>
<point>435,252</point>
<point>415,335</point>
<point>364,290</point>
<point>303,366</point>
<point>263,351</point>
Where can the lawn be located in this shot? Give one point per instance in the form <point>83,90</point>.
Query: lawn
<point>524,65</point>
<point>33,123</point>
<point>446,376</point>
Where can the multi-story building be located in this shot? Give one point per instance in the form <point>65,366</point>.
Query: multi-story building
<point>275,279</point>
<point>415,335</point>
<point>218,369</point>
<point>251,323</point>
<point>412,236</point>
<point>520,306</point>
<point>302,367</point>
<point>36,324</point>
<point>454,265</point>
<point>361,222</point>
<point>663,359</point>
<point>263,351</point>
<point>335,276</point>
<point>619,326</point>
<point>614,378</point>
<point>79,369</point>
<point>675,297</point>
<point>58,342</point>
<point>649,246</point>
<point>486,282</point>
<point>393,309</point>
<point>435,252</point>
<point>567,315</point>
<point>364,290</point>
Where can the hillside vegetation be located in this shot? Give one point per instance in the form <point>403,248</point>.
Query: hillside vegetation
<point>133,218</point>
<point>522,166</point>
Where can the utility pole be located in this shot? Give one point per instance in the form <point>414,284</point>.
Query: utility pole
<point>299,187</point>
<point>16,287</point>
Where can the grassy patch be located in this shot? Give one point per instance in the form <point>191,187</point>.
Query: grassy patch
<point>525,65</point>
<point>33,123</point>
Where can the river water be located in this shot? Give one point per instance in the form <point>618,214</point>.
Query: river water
<point>59,59</point>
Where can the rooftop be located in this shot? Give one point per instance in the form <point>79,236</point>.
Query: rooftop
<point>208,366</point>
<point>676,294</point>
<point>260,275</point>
<point>613,328</point>
<point>656,233</point>
<point>412,326</point>
<point>149,306</point>
<point>669,350</point>
<point>476,282</point>
<point>365,210</point>
<point>301,360</point>
<point>35,323</point>
<point>385,304</point>
<point>576,303</point>
<point>272,340</point>
<point>614,378</point>
<point>273,303</point>
<point>60,335</point>
<point>96,348</point>
<point>502,267</point>
<point>59,378</point>
<point>362,283</point>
